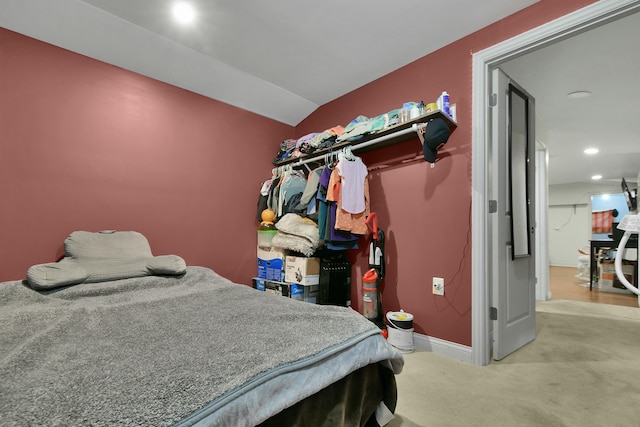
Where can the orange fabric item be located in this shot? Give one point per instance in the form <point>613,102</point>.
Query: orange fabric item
<point>602,222</point>
<point>334,186</point>
<point>336,130</point>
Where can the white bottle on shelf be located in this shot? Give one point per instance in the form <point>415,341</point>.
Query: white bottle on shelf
<point>415,111</point>
<point>443,103</point>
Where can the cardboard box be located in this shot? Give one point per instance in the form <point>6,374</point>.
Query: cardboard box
<point>276,288</point>
<point>271,264</point>
<point>306,280</point>
<point>302,270</point>
<point>271,253</point>
<point>259,284</point>
<point>270,269</point>
<point>608,280</point>
<point>306,293</point>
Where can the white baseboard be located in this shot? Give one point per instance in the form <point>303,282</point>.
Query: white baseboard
<point>565,264</point>
<point>445,348</point>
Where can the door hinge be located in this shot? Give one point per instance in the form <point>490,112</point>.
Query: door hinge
<point>493,206</point>
<point>493,313</point>
<point>493,100</point>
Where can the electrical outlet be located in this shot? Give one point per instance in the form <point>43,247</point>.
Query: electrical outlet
<point>438,286</point>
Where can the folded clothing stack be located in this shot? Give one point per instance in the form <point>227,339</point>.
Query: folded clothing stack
<point>296,234</point>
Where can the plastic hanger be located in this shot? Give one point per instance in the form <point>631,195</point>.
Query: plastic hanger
<point>350,154</point>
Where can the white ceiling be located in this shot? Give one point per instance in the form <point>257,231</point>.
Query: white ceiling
<point>606,62</point>
<point>283,59</point>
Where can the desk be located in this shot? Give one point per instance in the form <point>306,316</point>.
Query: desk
<point>611,244</point>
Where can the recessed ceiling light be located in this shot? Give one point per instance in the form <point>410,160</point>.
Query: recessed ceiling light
<point>184,12</point>
<point>591,151</point>
<point>579,94</point>
<point>605,197</point>
<point>596,177</point>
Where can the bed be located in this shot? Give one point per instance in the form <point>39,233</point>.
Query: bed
<point>188,349</point>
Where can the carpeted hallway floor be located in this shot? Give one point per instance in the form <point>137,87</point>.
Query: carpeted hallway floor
<point>583,369</point>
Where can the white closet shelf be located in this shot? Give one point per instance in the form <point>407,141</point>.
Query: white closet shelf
<point>389,136</point>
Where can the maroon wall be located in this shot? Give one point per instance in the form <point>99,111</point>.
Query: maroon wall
<point>88,146</point>
<point>85,145</point>
<point>425,212</point>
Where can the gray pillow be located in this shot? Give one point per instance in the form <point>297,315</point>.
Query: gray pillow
<point>103,270</point>
<point>102,256</point>
<point>56,274</point>
<point>166,264</point>
<point>107,244</point>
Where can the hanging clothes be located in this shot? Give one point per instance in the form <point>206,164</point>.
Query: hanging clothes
<point>274,191</point>
<point>310,190</point>
<point>323,203</point>
<point>332,238</point>
<point>353,173</point>
<point>337,195</point>
<point>306,204</point>
<point>263,198</point>
<point>344,220</point>
<point>292,183</point>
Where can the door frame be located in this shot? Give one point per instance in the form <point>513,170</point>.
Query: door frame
<point>587,18</point>
<point>543,292</point>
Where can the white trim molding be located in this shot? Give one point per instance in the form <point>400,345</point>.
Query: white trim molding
<point>441,347</point>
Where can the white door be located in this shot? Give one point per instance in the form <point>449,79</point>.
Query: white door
<point>512,218</point>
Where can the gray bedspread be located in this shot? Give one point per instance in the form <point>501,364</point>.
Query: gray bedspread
<point>163,350</point>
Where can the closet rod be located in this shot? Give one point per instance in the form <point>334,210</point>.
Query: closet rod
<point>413,128</point>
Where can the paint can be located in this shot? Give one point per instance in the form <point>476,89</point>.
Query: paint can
<point>400,330</point>
<point>400,319</point>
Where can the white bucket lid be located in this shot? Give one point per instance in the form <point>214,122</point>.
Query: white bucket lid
<point>399,316</point>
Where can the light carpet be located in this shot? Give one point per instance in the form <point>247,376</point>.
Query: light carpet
<point>583,369</point>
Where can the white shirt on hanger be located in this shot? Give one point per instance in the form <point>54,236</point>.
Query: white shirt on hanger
<point>353,173</point>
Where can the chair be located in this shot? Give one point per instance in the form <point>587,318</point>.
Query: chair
<point>584,261</point>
